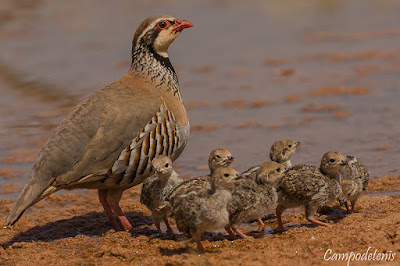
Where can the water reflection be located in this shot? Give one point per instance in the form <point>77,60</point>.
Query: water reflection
<point>250,74</point>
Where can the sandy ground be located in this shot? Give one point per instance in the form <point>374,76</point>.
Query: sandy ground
<point>72,229</point>
<point>313,71</point>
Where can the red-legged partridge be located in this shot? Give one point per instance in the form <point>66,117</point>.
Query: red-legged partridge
<point>156,187</point>
<point>311,187</point>
<point>110,138</point>
<point>355,179</point>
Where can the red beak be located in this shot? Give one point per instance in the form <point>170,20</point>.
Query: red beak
<point>182,24</point>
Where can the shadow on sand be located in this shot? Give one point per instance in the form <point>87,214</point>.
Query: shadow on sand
<point>90,224</point>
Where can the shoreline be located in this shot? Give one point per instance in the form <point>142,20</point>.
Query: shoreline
<point>71,228</point>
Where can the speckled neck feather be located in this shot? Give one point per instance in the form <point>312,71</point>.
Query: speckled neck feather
<point>160,70</point>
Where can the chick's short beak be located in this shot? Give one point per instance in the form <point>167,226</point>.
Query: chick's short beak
<point>298,144</point>
<point>182,24</point>
<point>238,177</point>
<point>230,159</point>
<point>157,170</point>
<point>344,162</point>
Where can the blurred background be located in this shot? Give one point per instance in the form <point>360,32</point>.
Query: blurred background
<point>322,72</point>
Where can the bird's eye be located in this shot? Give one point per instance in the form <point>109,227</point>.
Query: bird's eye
<point>217,156</point>
<point>162,24</point>
<point>278,169</point>
<point>290,145</point>
<point>166,165</point>
<point>332,160</point>
<point>226,175</point>
<point>349,194</point>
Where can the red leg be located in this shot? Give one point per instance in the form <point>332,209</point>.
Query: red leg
<point>197,238</point>
<point>261,225</point>
<point>156,222</point>
<point>279,211</point>
<point>353,204</point>
<point>169,228</point>
<point>310,212</point>
<point>319,223</point>
<point>347,207</point>
<point>229,230</point>
<point>126,225</point>
<point>107,209</point>
<point>239,232</point>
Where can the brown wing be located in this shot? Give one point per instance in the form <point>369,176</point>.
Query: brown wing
<point>114,126</point>
<point>302,181</point>
<point>197,185</point>
<point>357,172</point>
<point>244,196</point>
<point>251,172</point>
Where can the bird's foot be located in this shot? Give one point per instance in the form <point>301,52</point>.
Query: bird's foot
<point>279,229</point>
<point>200,247</point>
<point>347,208</point>
<point>317,222</point>
<point>231,234</point>
<point>261,225</point>
<point>115,225</point>
<point>126,225</point>
<point>240,233</point>
<point>169,228</point>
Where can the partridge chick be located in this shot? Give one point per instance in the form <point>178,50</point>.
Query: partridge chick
<point>355,179</point>
<point>311,187</point>
<point>110,138</point>
<point>218,158</point>
<point>197,213</point>
<point>254,199</point>
<point>281,152</point>
<point>157,187</point>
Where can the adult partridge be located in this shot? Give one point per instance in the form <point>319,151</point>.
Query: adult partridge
<point>311,187</point>
<point>355,179</point>
<point>110,138</point>
<point>156,187</point>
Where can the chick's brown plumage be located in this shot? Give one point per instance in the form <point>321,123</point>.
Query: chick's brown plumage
<point>254,199</point>
<point>156,187</point>
<point>355,179</point>
<point>310,186</point>
<point>196,213</point>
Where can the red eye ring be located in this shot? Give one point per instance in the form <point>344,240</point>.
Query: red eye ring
<point>163,24</point>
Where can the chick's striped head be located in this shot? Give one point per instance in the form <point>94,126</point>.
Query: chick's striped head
<point>332,162</point>
<point>162,166</point>
<point>224,177</point>
<point>282,150</point>
<point>220,158</point>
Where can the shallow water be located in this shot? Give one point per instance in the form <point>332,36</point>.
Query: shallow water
<point>321,72</point>
<point>383,193</point>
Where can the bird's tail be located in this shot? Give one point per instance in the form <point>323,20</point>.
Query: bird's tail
<point>31,194</point>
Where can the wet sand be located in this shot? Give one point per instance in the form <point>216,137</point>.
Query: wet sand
<point>72,229</point>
